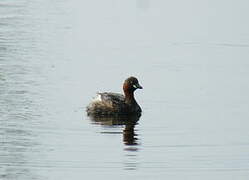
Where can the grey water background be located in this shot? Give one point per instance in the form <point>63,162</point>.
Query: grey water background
<point>191,57</point>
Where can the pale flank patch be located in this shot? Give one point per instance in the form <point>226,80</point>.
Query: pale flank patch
<point>97,98</point>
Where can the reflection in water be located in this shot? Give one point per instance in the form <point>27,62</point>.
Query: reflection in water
<point>129,135</point>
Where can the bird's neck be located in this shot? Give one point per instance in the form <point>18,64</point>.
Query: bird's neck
<point>129,96</point>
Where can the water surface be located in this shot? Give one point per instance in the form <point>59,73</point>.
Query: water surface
<point>190,57</point>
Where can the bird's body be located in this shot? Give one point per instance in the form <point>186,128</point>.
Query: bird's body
<point>109,103</point>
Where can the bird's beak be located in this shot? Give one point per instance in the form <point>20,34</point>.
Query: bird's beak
<point>137,86</point>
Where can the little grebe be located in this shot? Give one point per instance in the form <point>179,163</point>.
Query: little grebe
<point>108,103</point>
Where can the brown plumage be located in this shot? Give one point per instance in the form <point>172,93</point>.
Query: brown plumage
<point>108,103</point>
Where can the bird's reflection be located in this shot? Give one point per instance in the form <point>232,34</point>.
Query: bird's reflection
<point>129,122</point>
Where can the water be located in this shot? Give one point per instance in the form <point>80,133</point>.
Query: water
<point>190,57</point>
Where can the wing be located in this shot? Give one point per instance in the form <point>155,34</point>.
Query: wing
<point>112,98</point>
<point>106,104</point>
